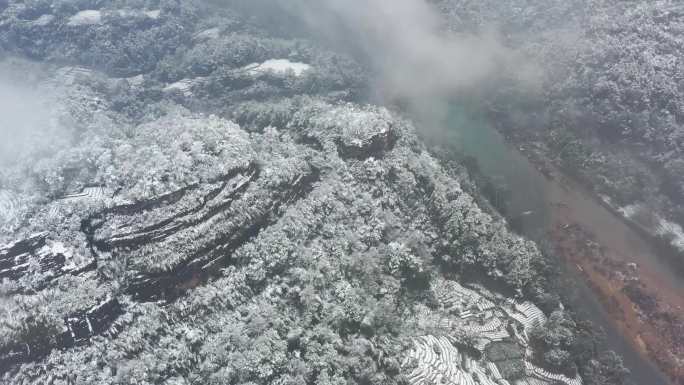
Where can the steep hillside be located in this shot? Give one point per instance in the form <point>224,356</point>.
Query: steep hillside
<point>217,205</point>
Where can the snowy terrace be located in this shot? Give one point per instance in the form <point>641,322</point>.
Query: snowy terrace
<point>91,194</point>
<point>94,192</point>
<point>8,206</point>
<point>66,76</point>
<point>183,86</point>
<point>486,318</point>
<point>439,362</point>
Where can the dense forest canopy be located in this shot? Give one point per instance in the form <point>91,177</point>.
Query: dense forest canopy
<point>232,192</point>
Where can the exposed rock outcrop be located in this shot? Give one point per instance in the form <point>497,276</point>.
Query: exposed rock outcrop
<point>35,254</point>
<point>231,211</point>
<point>77,328</point>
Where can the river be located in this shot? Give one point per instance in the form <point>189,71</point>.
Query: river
<point>530,201</point>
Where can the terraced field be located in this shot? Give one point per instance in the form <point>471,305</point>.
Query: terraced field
<point>94,193</point>
<point>486,319</point>
<point>9,207</point>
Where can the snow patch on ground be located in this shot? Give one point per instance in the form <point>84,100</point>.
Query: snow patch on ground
<point>184,86</point>
<point>94,17</point>
<point>153,14</point>
<point>43,20</point>
<point>68,76</point>
<point>89,17</point>
<point>661,227</point>
<point>277,66</point>
<point>207,34</point>
<point>136,81</point>
<point>672,231</point>
<point>629,210</point>
<point>606,199</point>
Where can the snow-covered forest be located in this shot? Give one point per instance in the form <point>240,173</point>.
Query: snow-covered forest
<point>204,194</point>
<point>610,109</point>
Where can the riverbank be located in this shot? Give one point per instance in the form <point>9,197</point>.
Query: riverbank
<point>648,220</point>
<point>540,200</point>
<point>626,268</point>
<point>643,309</point>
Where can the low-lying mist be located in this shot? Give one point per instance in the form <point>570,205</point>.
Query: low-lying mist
<point>24,113</point>
<point>416,59</point>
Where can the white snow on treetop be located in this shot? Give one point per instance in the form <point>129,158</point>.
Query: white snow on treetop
<point>359,125</point>
<point>277,66</point>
